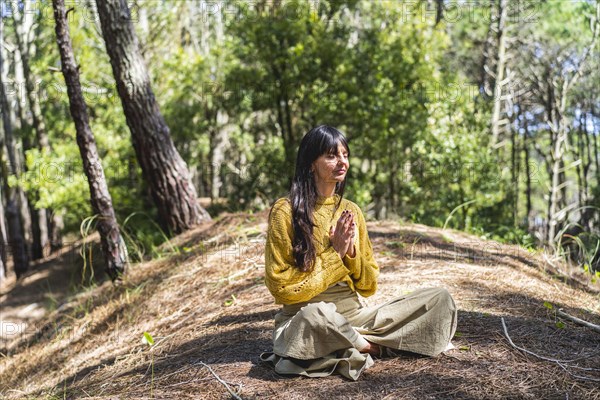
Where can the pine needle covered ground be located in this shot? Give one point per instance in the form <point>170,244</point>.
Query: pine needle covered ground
<point>209,316</point>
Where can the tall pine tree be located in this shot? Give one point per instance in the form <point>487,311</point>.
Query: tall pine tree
<point>162,167</point>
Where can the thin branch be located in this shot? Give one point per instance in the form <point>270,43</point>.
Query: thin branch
<point>560,363</point>
<point>527,351</point>
<point>578,321</point>
<point>233,394</point>
<point>586,378</point>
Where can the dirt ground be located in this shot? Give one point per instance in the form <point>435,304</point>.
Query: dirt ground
<point>206,307</point>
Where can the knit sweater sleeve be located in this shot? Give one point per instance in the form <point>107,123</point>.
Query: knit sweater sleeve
<point>284,280</point>
<point>363,267</point>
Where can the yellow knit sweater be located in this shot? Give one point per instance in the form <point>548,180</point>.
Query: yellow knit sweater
<point>287,283</point>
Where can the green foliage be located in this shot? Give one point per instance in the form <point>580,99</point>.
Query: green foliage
<point>406,93</point>
<point>148,339</point>
<point>143,237</point>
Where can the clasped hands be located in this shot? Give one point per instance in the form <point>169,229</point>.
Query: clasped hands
<point>342,236</point>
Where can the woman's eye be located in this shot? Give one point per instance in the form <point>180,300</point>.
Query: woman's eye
<point>332,156</point>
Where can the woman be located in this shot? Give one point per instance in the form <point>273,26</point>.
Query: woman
<point>318,257</point>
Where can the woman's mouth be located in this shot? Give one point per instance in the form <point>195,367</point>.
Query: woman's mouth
<point>340,171</point>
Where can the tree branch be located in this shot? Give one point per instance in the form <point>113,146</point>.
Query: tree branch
<point>578,321</point>
<point>561,363</point>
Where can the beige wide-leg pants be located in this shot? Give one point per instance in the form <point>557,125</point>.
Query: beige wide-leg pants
<point>321,337</point>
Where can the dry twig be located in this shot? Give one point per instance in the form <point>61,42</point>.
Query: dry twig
<point>233,394</point>
<point>578,321</point>
<point>561,363</point>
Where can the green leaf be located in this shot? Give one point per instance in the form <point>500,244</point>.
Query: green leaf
<point>228,303</point>
<point>560,324</point>
<point>548,305</point>
<point>447,239</point>
<point>148,339</point>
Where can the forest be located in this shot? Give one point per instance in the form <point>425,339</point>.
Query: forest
<point>130,123</point>
<point>482,116</point>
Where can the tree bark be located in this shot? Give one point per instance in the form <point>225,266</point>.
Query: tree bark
<point>113,246</point>
<point>579,155</point>
<point>596,147</point>
<point>15,243</point>
<point>217,153</point>
<point>163,168</point>
<point>514,158</point>
<point>3,236</point>
<point>19,166</point>
<point>41,240</point>
<point>486,63</point>
<point>439,11</point>
<point>500,61</point>
<point>528,173</point>
<point>14,240</point>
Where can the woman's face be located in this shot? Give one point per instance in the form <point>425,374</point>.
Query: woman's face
<point>332,167</point>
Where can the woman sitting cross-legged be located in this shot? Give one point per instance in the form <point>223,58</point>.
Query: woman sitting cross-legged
<point>319,258</point>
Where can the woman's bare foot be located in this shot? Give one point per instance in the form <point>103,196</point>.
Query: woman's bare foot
<point>373,349</point>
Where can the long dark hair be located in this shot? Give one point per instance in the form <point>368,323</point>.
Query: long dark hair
<point>303,193</point>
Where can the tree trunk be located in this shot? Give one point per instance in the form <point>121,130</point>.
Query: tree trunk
<point>163,168</point>
<point>19,166</point>
<point>500,61</point>
<point>15,244</point>
<point>587,213</point>
<point>392,180</point>
<point>586,154</point>
<point>514,154</point>
<point>3,240</point>
<point>579,155</point>
<point>13,240</point>
<point>56,225</point>
<point>527,178</point>
<point>113,246</point>
<point>41,240</point>
<point>3,233</point>
<point>32,95</point>
<point>596,147</point>
<point>217,155</point>
<point>553,201</point>
<point>439,11</point>
<point>485,82</point>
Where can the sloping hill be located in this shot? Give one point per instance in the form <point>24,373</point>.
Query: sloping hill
<point>210,315</point>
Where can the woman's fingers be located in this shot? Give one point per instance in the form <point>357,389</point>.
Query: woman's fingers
<point>349,222</point>
<point>345,224</point>
<point>342,236</point>
<point>340,229</point>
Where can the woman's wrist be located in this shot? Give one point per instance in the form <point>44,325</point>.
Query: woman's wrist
<point>351,252</point>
